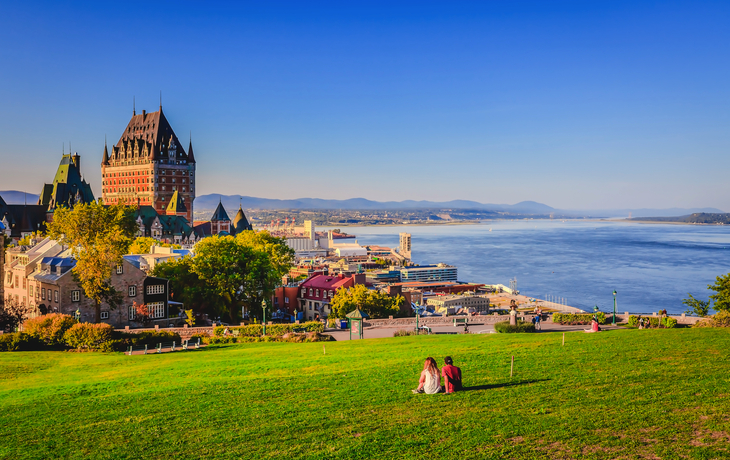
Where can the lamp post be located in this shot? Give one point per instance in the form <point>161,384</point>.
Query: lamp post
<point>614,307</point>
<point>263,309</point>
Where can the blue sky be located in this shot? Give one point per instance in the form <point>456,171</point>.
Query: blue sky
<point>579,105</point>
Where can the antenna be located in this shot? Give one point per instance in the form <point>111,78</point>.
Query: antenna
<point>134,106</point>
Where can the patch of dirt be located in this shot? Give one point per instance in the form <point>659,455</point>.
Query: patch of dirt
<point>356,435</point>
<point>517,439</point>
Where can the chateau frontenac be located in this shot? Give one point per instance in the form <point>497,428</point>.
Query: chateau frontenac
<point>149,167</point>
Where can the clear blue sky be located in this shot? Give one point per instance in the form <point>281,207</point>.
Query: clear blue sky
<point>574,104</point>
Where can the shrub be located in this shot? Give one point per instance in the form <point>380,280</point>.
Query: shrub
<point>19,341</point>
<point>147,338</point>
<point>506,328</point>
<point>274,330</point>
<point>88,336</point>
<point>407,332</point>
<point>653,321</point>
<point>576,319</point>
<point>719,319</point>
<point>50,328</point>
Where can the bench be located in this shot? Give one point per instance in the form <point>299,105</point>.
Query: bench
<point>299,330</point>
<point>170,345</point>
<point>445,333</point>
<point>461,320</point>
<point>191,342</point>
<point>236,332</point>
<point>132,349</point>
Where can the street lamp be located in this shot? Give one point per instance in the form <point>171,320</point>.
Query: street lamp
<point>614,307</point>
<point>263,308</point>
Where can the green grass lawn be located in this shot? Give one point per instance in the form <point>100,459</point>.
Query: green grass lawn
<point>617,394</point>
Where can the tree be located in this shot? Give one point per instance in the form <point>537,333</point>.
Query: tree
<point>141,313</point>
<point>187,287</point>
<point>375,303</point>
<point>98,236</point>
<point>721,298</point>
<point>12,314</point>
<point>697,307</point>
<point>26,240</point>
<point>143,245</point>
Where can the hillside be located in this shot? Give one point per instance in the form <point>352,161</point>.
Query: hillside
<point>617,394</point>
<point>695,218</point>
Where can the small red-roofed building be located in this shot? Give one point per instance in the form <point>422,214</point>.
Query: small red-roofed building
<point>316,293</point>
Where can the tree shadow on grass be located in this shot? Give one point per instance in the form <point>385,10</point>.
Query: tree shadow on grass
<point>503,385</point>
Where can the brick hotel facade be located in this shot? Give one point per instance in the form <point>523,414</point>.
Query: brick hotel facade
<point>148,165</point>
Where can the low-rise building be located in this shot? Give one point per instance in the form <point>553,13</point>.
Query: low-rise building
<point>316,293</point>
<point>450,303</point>
<point>439,272</point>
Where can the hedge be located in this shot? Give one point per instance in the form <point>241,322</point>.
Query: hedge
<point>20,341</point>
<point>299,338</point>
<point>89,336</point>
<point>719,319</point>
<point>275,330</point>
<point>506,328</point>
<point>653,322</point>
<point>576,319</point>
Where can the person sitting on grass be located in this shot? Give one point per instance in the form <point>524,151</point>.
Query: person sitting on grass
<point>430,381</point>
<point>594,326</point>
<point>452,376</point>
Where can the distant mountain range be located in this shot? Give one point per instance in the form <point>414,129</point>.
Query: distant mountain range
<point>248,202</point>
<point>524,207</point>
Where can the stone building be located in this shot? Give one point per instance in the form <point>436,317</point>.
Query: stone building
<point>20,262</point>
<point>53,290</point>
<point>148,165</point>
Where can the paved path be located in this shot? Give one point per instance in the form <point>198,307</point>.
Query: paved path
<point>382,332</point>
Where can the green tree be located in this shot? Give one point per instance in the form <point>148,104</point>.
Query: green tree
<point>375,303</point>
<point>721,298</point>
<point>187,287</point>
<point>98,236</point>
<point>143,245</point>
<point>696,306</point>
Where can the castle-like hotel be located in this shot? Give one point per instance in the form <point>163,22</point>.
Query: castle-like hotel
<point>148,167</point>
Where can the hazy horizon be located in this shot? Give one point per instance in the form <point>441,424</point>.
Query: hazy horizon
<point>599,105</point>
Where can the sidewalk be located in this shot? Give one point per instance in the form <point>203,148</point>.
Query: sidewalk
<point>383,332</point>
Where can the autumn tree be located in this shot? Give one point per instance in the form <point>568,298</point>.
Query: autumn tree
<point>12,313</point>
<point>375,303</point>
<point>98,237</point>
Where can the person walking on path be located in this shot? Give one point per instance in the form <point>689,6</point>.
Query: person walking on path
<point>430,381</point>
<point>452,376</point>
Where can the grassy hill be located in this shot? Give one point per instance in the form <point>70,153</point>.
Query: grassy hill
<point>627,394</point>
<point>696,218</point>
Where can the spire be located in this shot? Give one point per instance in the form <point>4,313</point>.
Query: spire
<point>160,100</point>
<point>191,157</point>
<point>105,161</point>
<point>134,106</point>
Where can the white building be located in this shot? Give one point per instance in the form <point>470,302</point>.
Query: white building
<point>440,272</point>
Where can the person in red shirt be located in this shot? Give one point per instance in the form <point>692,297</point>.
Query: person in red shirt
<point>452,376</point>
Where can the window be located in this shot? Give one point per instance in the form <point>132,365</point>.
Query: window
<point>75,296</point>
<point>55,296</point>
<point>105,315</point>
<point>43,293</point>
<point>317,292</point>
<point>156,309</point>
<point>132,312</point>
<point>31,290</point>
<point>132,291</point>
<point>331,294</point>
<point>286,299</point>
<point>311,291</point>
<point>155,289</point>
<point>120,269</point>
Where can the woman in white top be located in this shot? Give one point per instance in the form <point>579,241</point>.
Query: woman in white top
<point>430,381</point>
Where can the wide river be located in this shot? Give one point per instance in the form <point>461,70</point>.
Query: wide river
<point>651,266</point>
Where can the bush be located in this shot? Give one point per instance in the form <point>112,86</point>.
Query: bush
<point>147,338</point>
<point>578,319</point>
<point>89,336</point>
<point>50,328</point>
<point>19,341</point>
<point>275,330</point>
<point>653,322</point>
<point>506,328</point>
<point>719,319</point>
<point>407,332</point>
